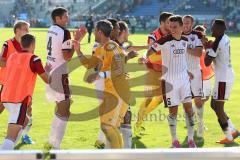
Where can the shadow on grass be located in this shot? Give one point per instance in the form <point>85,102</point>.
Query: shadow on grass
<point>198,140</point>
<point>136,143</point>
<point>20,145</point>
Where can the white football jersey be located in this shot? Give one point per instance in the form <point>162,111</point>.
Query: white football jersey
<point>58,39</point>
<point>194,40</point>
<point>222,62</point>
<point>173,58</point>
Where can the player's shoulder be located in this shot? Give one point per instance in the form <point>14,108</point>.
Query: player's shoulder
<point>165,39</point>
<point>197,33</point>
<point>111,45</point>
<point>184,38</point>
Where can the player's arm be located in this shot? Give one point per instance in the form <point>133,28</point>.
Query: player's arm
<point>37,67</point>
<point>157,46</point>
<point>91,62</point>
<point>3,55</point>
<point>2,62</point>
<point>211,52</point>
<point>136,48</point>
<point>67,47</point>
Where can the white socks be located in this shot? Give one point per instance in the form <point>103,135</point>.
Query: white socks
<point>172,121</point>
<point>190,126</point>
<point>57,131</point>
<point>7,145</point>
<point>199,113</point>
<point>127,135</point>
<point>228,134</point>
<point>231,126</point>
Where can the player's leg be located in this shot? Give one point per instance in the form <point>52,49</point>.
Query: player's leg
<point>1,107</point>
<point>100,143</point>
<point>186,99</point>
<point>187,104</point>
<point>59,123</point>
<point>25,137</point>
<point>221,92</point>
<point>109,116</point>
<point>197,91</point>
<point>126,129</point>
<point>152,100</point>
<point>172,122</point>
<point>17,119</point>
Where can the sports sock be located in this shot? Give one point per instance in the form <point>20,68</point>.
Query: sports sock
<point>57,131</point>
<point>7,144</point>
<point>190,126</point>
<point>126,131</point>
<point>172,121</point>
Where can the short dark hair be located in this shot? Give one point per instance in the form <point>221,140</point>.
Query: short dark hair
<point>189,16</point>
<point>27,40</point>
<point>19,24</point>
<point>105,26</point>
<point>200,28</point>
<point>123,26</point>
<point>176,18</point>
<point>164,16</point>
<point>221,23</point>
<point>58,12</point>
<point>113,21</point>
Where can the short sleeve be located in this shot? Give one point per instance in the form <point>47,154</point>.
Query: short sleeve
<point>67,42</point>
<point>156,47</point>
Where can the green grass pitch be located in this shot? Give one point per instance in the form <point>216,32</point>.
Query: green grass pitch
<point>82,134</point>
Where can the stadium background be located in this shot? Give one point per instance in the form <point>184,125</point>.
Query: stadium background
<point>142,16</point>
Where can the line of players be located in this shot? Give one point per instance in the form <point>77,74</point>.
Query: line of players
<point>181,77</point>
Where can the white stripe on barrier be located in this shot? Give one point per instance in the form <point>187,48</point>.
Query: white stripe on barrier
<point>231,153</point>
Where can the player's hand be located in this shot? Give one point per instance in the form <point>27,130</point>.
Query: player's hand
<point>132,54</point>
<point>48,67</point>
<point>92,77</point>
<point>142,60</point>
<point>208,44</point>
<point>79,33</point>
<point>191,76</point>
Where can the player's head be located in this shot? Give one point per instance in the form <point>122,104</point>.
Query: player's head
<point>21,28</point>
<point>188,23</point>
<point>201,28</point>
<point>124,32</point>
<point>28,42</point>
<point>176,25</point>
<point>218,27</point>
<point>115,31</point>
<point>103,29</point>
<point>60,16</point>
<point>164,21</point>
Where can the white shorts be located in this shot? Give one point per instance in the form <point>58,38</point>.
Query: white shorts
<point>99,85</point>
<point>59,89</point>
<point>17,112</point>
<point>222,90</point>
<point>207,87</point>
<point>197,83</point>
<point>174,94</point>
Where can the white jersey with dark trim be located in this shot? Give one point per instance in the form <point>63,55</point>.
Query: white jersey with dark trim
<point>221,51</point>
<point>173,58</point>
<point>194,40</point>
<point>58,39</point>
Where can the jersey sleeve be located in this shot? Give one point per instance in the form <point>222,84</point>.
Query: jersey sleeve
<point>4,51</point>
<point>67,42</point>
<point>157,47</point>
<point>36,65</point>
<point>212,52</point>
<point>199,39</point>
<point>151,38</point>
